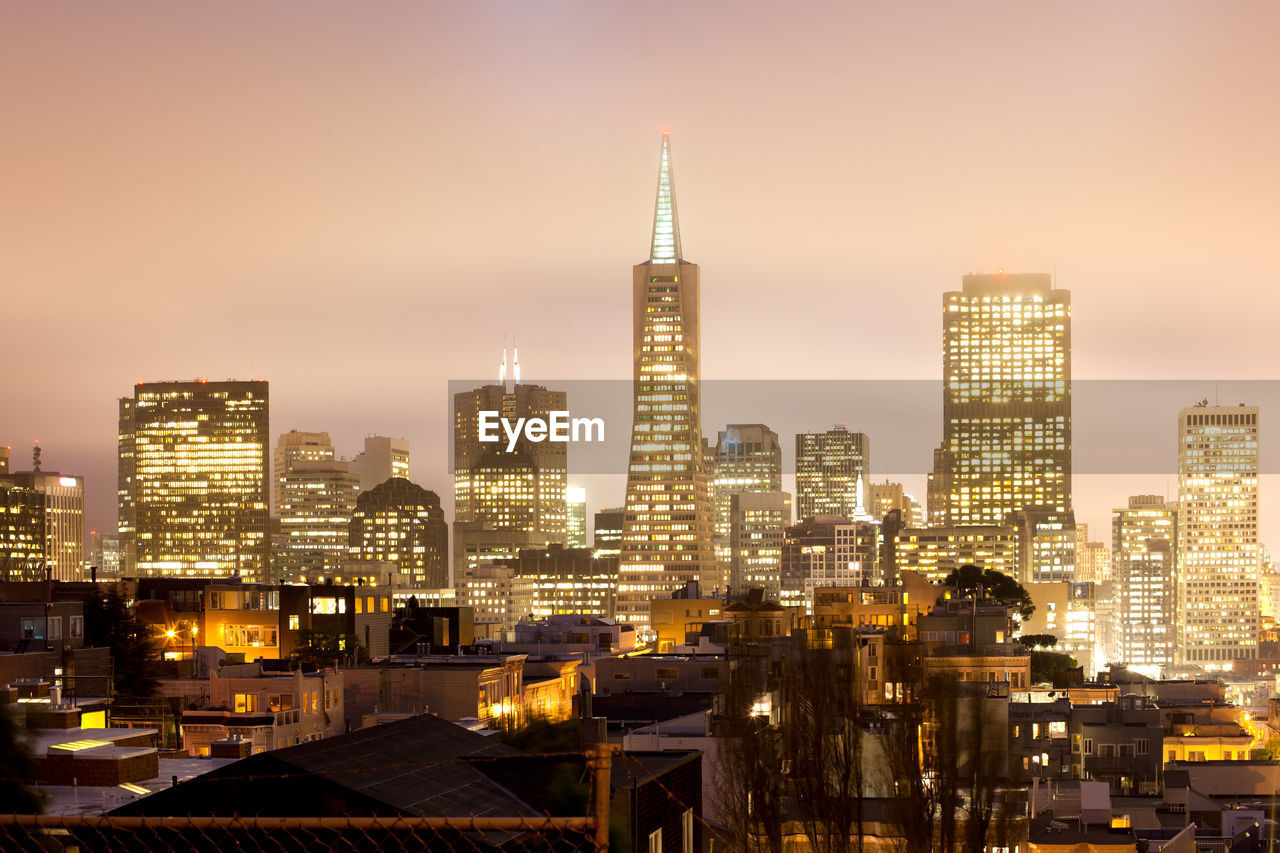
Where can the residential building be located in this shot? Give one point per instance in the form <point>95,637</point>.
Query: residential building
<point>1119,743</point>
<point>684,613</point>
<point>1217,551</point>
<point>1006,401</point>
<point>400,522</point>
<point>832,474</point>
<point>830,550</point>
<point>193,479</point>
<point>667,526</point>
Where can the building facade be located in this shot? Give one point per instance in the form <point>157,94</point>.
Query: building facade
<point>1145,588</point>
<point>381,459</point>
<point>61,497</point>
<point>193,479</point>
<point>667,525</point>
<point>315,499</point>
<point>295,446</point>
<point>1218,553</point>
<point>832,474</point>
<point>758,523</point>
<point>400,522</point>
<point>830,550</point>
<point>747,459</point>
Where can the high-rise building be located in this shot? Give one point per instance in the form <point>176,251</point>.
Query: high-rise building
<point>758,523</point>
<point>936,552</point>
<point>1006,401</point>
<point>195,481</point>
<point>832,473</point>
<point>667,535</point>
<point>104,556</point>
<point>22,532</point>
<point>576,517</point>
<point>297,446</point>
<point>402,523</point>
<point>506,499</point>
<point>4,459</point>
<point>606,537</point>
<point>126,513</point>
<point>1047,546</point>
<point>63,498</point>
<point>568,580</point>
<point>381,459</point>
<point>1218,554</point>
<point>747,459</point>
<point>1144,539</point>
<point>1093,559</point>
<point>887,496</point>
<point>316,499</point>
<point>829,550</point>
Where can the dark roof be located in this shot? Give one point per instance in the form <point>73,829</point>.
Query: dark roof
<point>422,765</point>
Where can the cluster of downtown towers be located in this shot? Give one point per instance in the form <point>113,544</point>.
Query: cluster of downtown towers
<point>1178,587</point>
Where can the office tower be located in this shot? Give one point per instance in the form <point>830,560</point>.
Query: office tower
<point>126,513</point>
<point>1218,551</point>
<point>758,523</point>
<point>568,580</point>
<point>576,517</point>
<point>400,522</point>
<point>506,499</point>
<point>4,459</point>
<point>832,473</point>
<point>1066,610</point>
<point>22,532</point>
<point>316,499</point>
<point>381,459</point>
<point>62,496</point>
<point>297,446</point>
<point>746,458</point>
<point>1006,401</point>
<point>887,496</point>
<point>936,552</point>
<point>667,536</point>
<point>829,550</point>
<point>498,596</point>
<point>196,481</point>
<point>1093,559</point>
<point>1144,539</point>
<point>606,538</point>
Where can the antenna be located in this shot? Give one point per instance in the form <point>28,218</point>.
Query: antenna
<point>515,360</point>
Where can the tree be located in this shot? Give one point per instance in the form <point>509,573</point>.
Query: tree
<point>1045,666</point>
<point>320,649</point>
<point>108,623</point>
<point>749,788</point>
<point>969,580</point>
<point>1038,641</point>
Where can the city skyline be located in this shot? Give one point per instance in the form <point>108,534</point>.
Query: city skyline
<point>844,218</point>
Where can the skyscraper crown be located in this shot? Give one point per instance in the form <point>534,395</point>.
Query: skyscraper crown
<point>666,224</point>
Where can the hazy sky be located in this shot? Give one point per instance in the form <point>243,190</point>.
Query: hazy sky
<point>357,201</point>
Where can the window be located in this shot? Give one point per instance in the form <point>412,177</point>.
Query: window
<point>655,841</point>
<point>294,621</point>
<point>1058,727</point>
<point>359,604</point>
<point>710,673</point>
<point>1017,731</point>
<point>686,831</point>
<point>77,627</point>
<point>1106,750</point>
<point>55,628</point>
<point>280,702</point>
<point>666,672</point>
<point>33,629</point>
<point>1088,746</point>
<point>1140,746</point>
<point>246,703</point>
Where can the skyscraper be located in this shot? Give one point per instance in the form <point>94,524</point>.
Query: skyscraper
<point>832,473</point>
<point>829,550</point>
<point>400,522</point>
<point>63,498</point>
<point>505,500</point>
<point>195,479</point>
<point>316,498</point>
<point>666,535</point>
<point>381,459</point>
<point>606,535</point>
<point>1006,398</point>
<point>1144,536</point>
<point>747,459</point>
<point>576,517</point>
<point>295,445</point>
<point>1218,554</point>
<point>758,523</point>
<point>22,527</point>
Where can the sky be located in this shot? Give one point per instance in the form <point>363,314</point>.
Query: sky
<point>358,202</point>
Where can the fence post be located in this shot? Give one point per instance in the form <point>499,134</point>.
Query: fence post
<point>600,763</point>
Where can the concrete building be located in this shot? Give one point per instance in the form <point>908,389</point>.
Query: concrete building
<point>667,527</point>
<point>1118,743</point>
<point>758,523</point>
<point>400,522</point>
<point>1006,400</point>
<point>315,499</point>
<point>194,484</point>
<point>498,596</point>
<point>833,474</point>
<point>294,446</point>
<point>830,550</point>
<point>1046,546</point>
<point>1217,552</point>
<point>684,613</point>
<point>936,552</point>
<point>887,496</point>
<point>606,535</point>
<point>1093,559</point>
<point>576,519</point>
<point>381,459</point>
<point>1067,611</point>
<point>1146,615</point>
<point>568,580</point>
<point>747,459</point>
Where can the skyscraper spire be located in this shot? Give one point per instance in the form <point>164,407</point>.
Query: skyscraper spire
<point>666,224</point>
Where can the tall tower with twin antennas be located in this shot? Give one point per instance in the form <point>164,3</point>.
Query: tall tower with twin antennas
<point>666,529</point>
